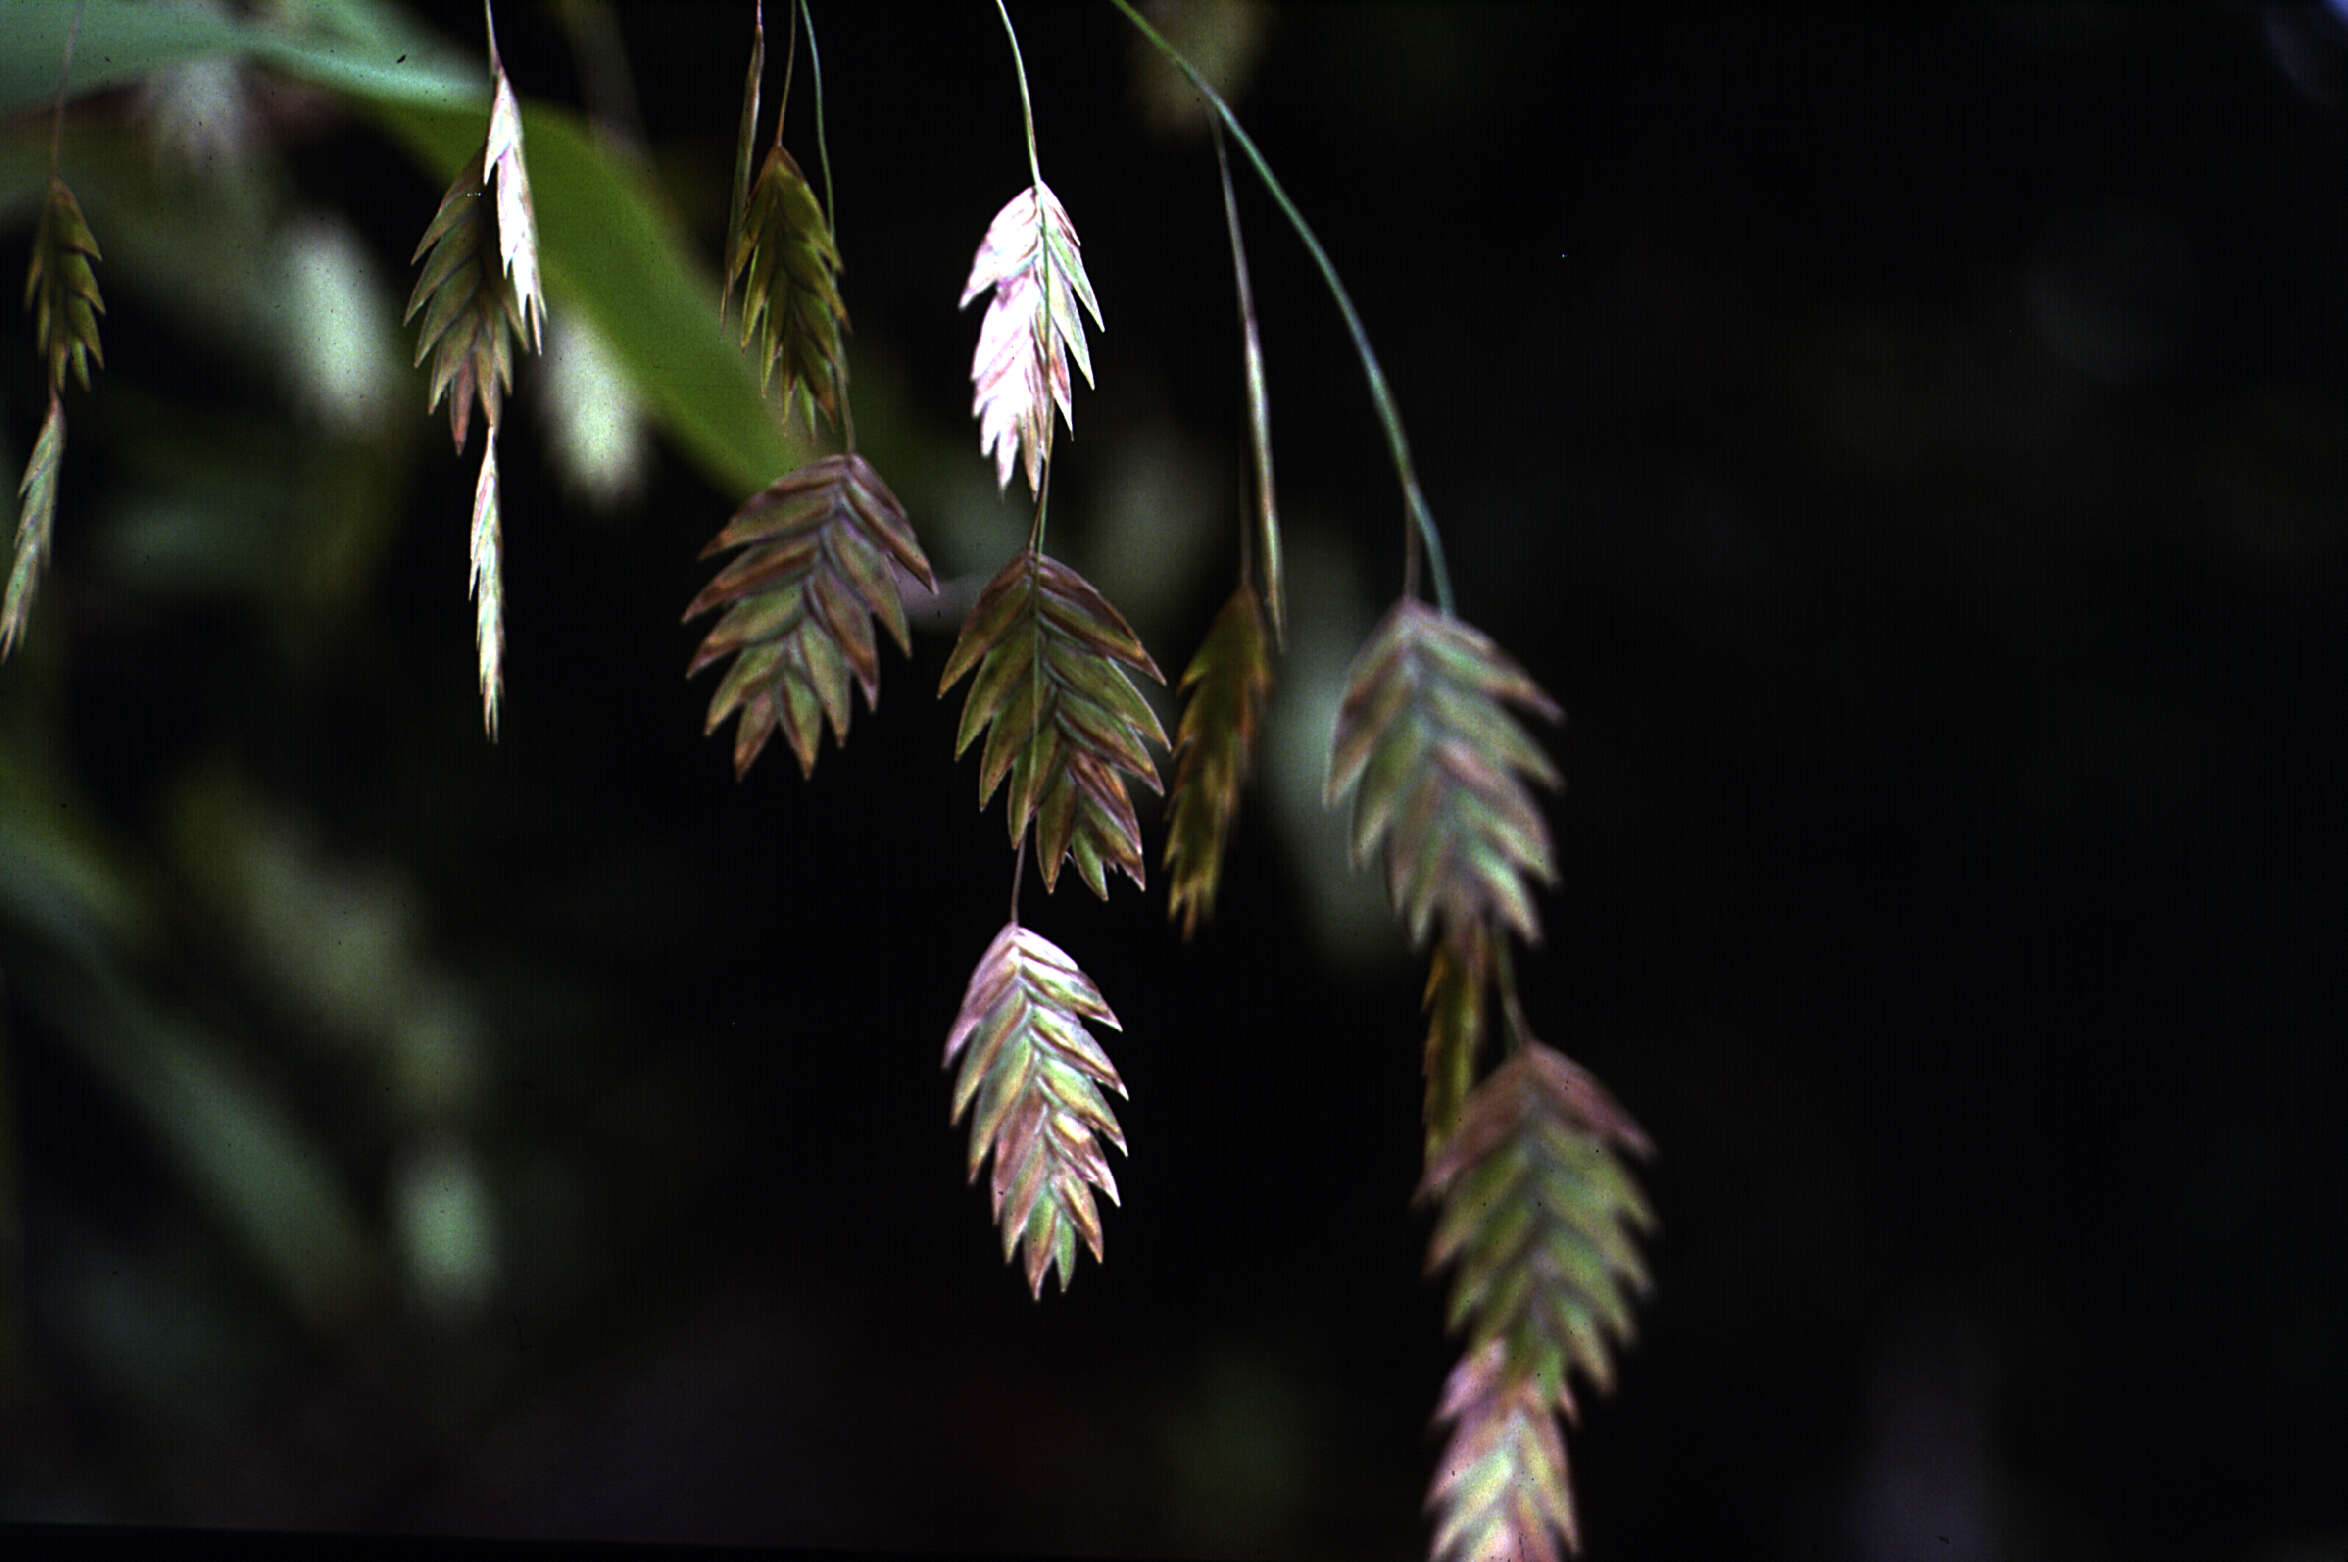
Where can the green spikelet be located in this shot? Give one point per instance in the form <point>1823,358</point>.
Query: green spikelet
<point>38,491</point>
<point>1227,684</point>
<point>61,288</point>
<point>472,314</point>
<point>1539,1215</point>
<point>800,597</point>
<point>1037,1077</point>
<point>1438,768</point>
<point>787,265</point>
<point>1068,727</point>
<point>1501,1493</point>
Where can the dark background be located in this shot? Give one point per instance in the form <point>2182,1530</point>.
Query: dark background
<point>1915,454</point>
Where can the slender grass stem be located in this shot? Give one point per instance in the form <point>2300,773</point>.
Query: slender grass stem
<point>1419,524</point>
<point>1035,176</point>
<point>73,32</point>
<point>790,62</point>
<point>1511,1008</point>
<point>1035,170</point>
<point>831,216</point>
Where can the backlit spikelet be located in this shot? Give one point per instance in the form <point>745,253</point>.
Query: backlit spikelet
<point>1031,332</point>
<point>61,289</point>
<point>788,267</point>
<point>816,567</point>
<point>517,217</point>
<point>1227,684</point>
<point>1037,1075</point>
<point>1068,727</point>
<point>1438,765</point>
<point>1539,1215</point>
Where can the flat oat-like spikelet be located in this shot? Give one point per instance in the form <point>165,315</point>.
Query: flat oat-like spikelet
<point>1227,683</point>
<point>1501,1490</point>
<point>1031,258</point>
<point>1068,727</point>
<point>800,598</point>
<point>34,522</point>
<point>1438,765</point>
<point>61,288</point>
<point>1539,1214</point>
<point>788,267</point>
<point>1037,1075</point>
<point>471,310</point>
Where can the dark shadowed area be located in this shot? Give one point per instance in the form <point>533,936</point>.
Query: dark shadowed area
<point>1915,455</point>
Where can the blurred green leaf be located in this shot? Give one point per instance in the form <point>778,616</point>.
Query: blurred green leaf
<point>610,249</point>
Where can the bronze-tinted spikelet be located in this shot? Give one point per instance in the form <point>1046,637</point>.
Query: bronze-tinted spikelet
<point>472,313</point>
<point>1539,1213</point>
<point>800,600</point>
<point>1037,1076</point>
<point>787,265</point>
<point>1425,735</point>
<point>1052,658</point>
<point>1227,684</point>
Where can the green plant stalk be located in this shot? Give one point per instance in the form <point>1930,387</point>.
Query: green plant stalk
<point>823,155</point>
<point>1511,1009</point>
<point>831,211</point>
<point>744,145</point>
<point>1259,416</point>
<point>1421,529</point>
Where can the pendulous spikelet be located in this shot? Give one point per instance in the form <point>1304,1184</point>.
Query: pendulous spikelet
<point>1036,1076</point>
<point>1054,663</point>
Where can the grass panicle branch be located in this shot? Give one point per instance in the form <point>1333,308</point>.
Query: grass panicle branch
<point>1226,688</point>
<point>1266,554</point>
<point>819,556</point>
<point>1036,1075</point>
<point>1540,1217</point>
<point>1418,521</point>
<point>1064,723</point>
